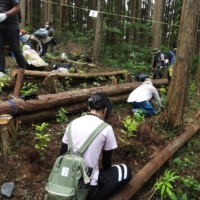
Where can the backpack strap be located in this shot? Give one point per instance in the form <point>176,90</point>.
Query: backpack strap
<point>89,139</point>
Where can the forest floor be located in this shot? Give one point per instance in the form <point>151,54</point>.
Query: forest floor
<point>29,173</point>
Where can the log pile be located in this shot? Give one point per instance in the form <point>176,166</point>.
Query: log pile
<point>73,101</point>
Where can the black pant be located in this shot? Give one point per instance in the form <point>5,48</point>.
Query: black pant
<point>13,40</point>
<point>110,181</point>
<point>45,47</point>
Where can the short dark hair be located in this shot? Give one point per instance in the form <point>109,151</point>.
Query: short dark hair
<point>174,45</point>
<point>100,101</point>
<point>49,23</point>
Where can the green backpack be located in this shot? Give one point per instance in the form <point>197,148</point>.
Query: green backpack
<point>69,178</point>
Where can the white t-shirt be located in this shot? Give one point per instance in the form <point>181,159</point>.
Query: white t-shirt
<point>81,129</point>
<point>144,92</point>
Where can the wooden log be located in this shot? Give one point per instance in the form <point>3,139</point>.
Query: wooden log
<point>156,163</point>
<point>47,115</point>
<point>51,83</point>
<point>70,97</point>
<point>8,133</point>
<point>19,82</point>
<point>30,73</point>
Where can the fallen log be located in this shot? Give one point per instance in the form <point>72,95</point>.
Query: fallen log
<point>47,115</point>
<point>156,163</point>
<point>30,73</point>
<point>19,106</point>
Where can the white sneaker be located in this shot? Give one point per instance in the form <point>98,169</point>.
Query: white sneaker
<point>2,75</point>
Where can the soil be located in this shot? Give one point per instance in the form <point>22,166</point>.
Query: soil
<point>29,173</point>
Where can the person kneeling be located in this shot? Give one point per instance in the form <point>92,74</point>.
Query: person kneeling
<point>140,98</point>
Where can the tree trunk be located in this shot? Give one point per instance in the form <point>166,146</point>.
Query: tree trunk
<point>23,14</point>
<point>157,25</point>
<point>178,91</point>
<point>98,34</point>
<point>51,101</point>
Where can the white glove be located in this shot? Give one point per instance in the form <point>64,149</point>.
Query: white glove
<point>161,67</point>
<point>3,16</point>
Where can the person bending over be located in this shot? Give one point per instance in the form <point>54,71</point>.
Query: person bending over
<point>110,178</point>
<point>140,97</point>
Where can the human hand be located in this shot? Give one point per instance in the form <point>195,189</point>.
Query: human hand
<point>3,16</point>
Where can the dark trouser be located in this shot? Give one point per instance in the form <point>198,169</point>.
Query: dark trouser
<point>45,47</point>
<point>145,106</point>
<point>110,181</point>
<point>13,40</point>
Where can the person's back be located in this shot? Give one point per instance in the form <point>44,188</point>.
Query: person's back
<point>140,98</point>
<point>82,128</point>
<point>158,64</point>
<point>100,186</point>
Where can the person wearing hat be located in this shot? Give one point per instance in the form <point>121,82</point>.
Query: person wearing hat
<point>9,33</point>
<point>22,34</point>
<point>42,42</point>
<point>170,59</point>
<point>111,177</point>
<point>158,66</point>
<point>141,97</point>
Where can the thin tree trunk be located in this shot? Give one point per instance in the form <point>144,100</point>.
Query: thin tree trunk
<point>23,14</point>
<point>157,24</point>
<point>98,34</point>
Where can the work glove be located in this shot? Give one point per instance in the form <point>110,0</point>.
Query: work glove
<point>3,16</point>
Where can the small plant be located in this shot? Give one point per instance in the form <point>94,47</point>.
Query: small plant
<point>139,116</point>
<point>83,85</point>
<point>68,81</point>
<point>61,116</point>
<point>84,113</point>
<point>29,88</point>
<point>3,82</point>
<point>164,185</point>
<point>42,138</point>
<point>131,125</point>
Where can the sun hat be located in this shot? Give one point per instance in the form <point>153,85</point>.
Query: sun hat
<point>27,37</point>
<point>155,51</point>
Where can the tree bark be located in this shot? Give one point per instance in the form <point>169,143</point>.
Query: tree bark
<point>8,133</point>
<point>178,90</point>
<point>47,115</point>
<point>98,34</point>
<point>156,163</point>
<point>68,98</point>
<point>29,73</point>
<point>157,24</point>
<point>19,82</point>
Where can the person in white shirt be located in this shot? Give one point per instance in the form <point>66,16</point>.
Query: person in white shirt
<point>140,98</point>
<point>110,178</point>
